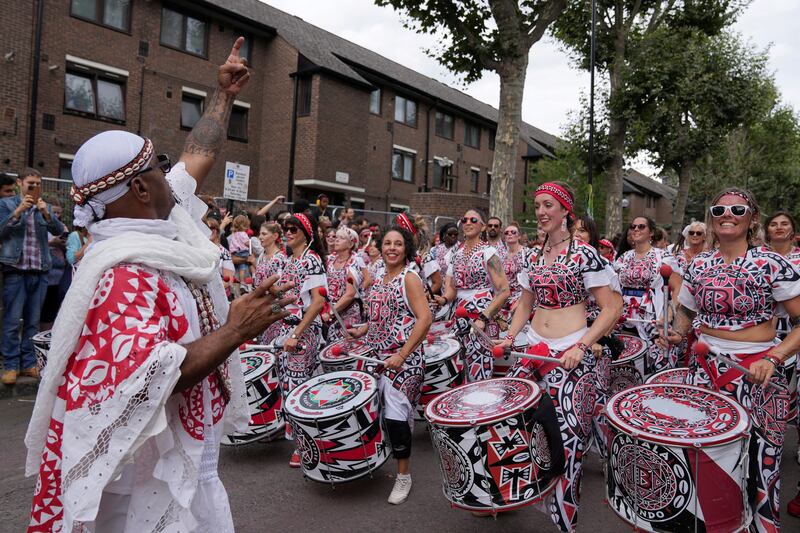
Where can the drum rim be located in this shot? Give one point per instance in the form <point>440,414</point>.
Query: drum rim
<point>635,356</point>
<point>530,402</point>
<point>454,345</point>
<point>338,360</point>
<point>685,371</point>
<point>339,414</point>
<point>733,435</point>
<point>269,367</point>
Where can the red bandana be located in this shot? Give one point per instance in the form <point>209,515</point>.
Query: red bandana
<point>558,192</point>
<point>306,225</point>
<point>404,222</point>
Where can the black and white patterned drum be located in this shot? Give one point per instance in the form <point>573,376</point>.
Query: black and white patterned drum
<point>503,363</point>
<point>332,363</point>
<point>493,455</point>
<point>41,345</point>
<point>337,426</point>
<point>678,459</point>
<point>679,375</point>
<point>443,370</point>
<point>629,369</point>
<point>260,371</point>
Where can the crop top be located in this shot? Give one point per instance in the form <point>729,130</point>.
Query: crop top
<point>470,273</point>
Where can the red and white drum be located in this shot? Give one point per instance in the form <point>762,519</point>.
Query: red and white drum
<point>337,426</point>
<point>443,328</point>
<point>260,371</point>
<point>443,370</point>
<point>678,459</point>
<point>332,363</point>
<point>41,345</point>
<point>629,369</point>
<point>504,363</point>
<point>679,375</point>
<point>494,456</point>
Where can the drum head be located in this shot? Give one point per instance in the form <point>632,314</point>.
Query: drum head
<point>680,415</point>
<point>256,363</point>
<point>634,348</point>
<point>443,327</point>
<point>42,339</point>
<point>441,350</point>
<point>482,402</point>
<point>330,394</point>
<point>354,346</point>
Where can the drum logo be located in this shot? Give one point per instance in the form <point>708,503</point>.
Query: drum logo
<point>457,469</point>
<point>331,393</point>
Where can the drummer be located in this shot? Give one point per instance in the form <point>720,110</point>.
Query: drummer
<point>515,257</point>
<point>398,321</point>
<point>301,330</point>
<point>731,292</point>
<point>558,278</point>
<point>345,271</point>
<point>477,282</point>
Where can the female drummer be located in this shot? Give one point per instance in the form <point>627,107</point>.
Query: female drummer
<point>302,329</point>
<point>476,281</point>
<point>398,321</point>
<point>448,238</point>
<point>642,284</point>
<point>691,243</point>
<point>345,266</point>
<point>558,278</point>
<point>512,263</point>
<point>731,291</point>
<point>272,260</point>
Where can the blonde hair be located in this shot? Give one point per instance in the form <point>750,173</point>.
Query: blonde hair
<point>241,223</point>
<point>423,234</point>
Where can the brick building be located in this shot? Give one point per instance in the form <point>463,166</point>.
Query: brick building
<point>320,113</point>
<point>647,197</point>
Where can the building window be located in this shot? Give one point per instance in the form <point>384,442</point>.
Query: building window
<point>444,125</point>
<point>651,201</point>
<point>441,177</point>
<point>405,111</point>
<point>114,14</point>
<point>403,166</point>
<point>94,94</point>
<point>65,169</point>
<point>472,135</point>
<point>191,110</point>
<point>488,183</point>
<point>375,102</point>
<point>304,96</point>
<point>183,32</point>
<point>244,51</point>
<point>492,135</point>
<point>474,178</point>
<point>237,126</point>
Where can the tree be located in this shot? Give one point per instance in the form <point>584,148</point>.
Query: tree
<point>495,35</point>
<point>621,26</point>
<point>686,93</point>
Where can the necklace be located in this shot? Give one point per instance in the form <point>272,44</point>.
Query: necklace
<point>549,247</point>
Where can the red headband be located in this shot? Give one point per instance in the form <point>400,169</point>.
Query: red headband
<point>558,192</point>
<point>306,225</point>
<point>606,243</point>
<point>404,222</point>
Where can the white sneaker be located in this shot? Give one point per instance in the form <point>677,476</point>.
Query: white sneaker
<point>402,486</point>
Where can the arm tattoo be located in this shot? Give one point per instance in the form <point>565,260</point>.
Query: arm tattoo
<point>495,266</point>
<point>208,135</point>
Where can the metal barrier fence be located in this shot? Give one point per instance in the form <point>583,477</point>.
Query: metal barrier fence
<point>55,188</point>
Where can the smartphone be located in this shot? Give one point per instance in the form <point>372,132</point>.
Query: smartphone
<point>34,191</point>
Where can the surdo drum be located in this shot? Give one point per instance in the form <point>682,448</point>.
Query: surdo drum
<point>443,370</point>
<point>678,459</point>
<point>629,369</point>
<point>331,362</point>
<point>493,453</point>
<point>337,426</point>
<point>260,371</point>
<point>502,364</point>
<point>680,375</point>
<point>41,345</point>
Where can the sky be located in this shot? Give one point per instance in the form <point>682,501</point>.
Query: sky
<point>553,87</point>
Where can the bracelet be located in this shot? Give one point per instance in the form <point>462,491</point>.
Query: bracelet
<point>774,360</point>
<point>581,346</point>
<point>485,318</point>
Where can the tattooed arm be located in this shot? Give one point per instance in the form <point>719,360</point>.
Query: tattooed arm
<point>207,137</point>
<point>500,282</point>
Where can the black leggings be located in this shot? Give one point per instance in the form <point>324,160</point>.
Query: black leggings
<point>400,437</point>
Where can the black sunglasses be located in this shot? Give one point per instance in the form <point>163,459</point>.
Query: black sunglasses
<point>291,229</point>
<point>637,226</point>
<point>162,163</point>
<point>696,233</point>
<point>492,225</point>
<point>473,220</point>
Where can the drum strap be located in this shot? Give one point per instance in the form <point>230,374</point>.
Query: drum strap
<point>718,381</point>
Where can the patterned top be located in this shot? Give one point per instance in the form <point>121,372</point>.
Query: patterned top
<point>565,282</point>
<point>741,294</point>
<point>238,242</point>
<point>306,273</point>
<point>225,261</point>
<point>337,277</point>
<point>269,266</point>
<point>390,316</point>
<point>639,272</point>
<point>512,264</point>
<point>31,256</point>
<point>501,249</point>
<point>471,272</point>
<point>440,253</point>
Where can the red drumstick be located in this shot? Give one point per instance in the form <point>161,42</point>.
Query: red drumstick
<point>702,349</point>
<point>338,351</point>
<point>323,291</point>
<point>499,351</point>
<point>462,312</point>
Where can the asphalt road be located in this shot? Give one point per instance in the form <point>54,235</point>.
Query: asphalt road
<point>267,496</point>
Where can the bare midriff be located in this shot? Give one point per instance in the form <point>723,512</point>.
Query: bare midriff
<point>556,323</point>
<point>764,332</point>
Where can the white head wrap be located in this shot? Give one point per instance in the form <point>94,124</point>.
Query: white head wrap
<point>105,163</point>
<point>351,235</point>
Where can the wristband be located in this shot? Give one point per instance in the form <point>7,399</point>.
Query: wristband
<point>581,346</point>
<point>774,360</point>
<point>485,318</point>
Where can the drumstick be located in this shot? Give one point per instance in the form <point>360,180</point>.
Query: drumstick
<point>338,351</point>
<point>324,293</point>
<point>666,272</point>
<point>498,351</point>
<point>703,350</point>
<point>462,312</point>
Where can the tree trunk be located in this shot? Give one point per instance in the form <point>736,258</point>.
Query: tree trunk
<point>616,131</point>
<point>685,176</point>
<point>512,85</point>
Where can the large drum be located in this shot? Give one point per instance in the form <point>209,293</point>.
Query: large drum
<point>260,371</point>
<point>443,370</point>
<point>493,452</point>
<point>679,375</point>
<point>41,345</point>
<point>678,459</point>
<point>506,361</point>
<point>332,363</point>
<point>629,369</point>
<point>443,328</point>
<point>337,426</point>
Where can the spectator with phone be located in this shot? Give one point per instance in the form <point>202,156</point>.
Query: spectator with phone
<point>25,220</point>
